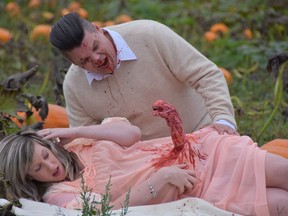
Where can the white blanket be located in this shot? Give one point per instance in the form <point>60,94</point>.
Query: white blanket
<point>184,207</point>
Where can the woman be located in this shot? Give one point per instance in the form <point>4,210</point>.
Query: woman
<point>236,175</point>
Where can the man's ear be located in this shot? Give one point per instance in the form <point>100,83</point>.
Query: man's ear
<point>96,27</point>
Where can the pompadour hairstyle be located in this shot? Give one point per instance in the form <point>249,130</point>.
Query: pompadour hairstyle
<point>67,33</point>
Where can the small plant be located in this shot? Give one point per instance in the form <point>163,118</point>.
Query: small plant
<point>278,89</point>
<point>89,203</point>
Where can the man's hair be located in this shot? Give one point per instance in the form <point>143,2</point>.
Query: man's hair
<point>68,32</point>
<point>16,152</point>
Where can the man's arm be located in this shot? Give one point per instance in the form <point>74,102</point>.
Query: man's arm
<point>191,67</point>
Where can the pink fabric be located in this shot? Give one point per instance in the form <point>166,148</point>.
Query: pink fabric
<point>232,177</point>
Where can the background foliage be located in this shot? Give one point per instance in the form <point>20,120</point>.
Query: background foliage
<point>246,58</point>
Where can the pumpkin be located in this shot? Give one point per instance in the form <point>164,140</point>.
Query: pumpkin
<point>109,23</point>
<point>98,23</point>
<point>34,3</point>
<point>48,16</point>
<point>74,6</point>
<point>277,146</point>
<point>122,18</point>
<point>56,118</point>
<point>5,35</point>
<point>248,33</point>
<point>52,3</point>
<point>82,13</point>
<point>39,31</point>
<point>210,36</point>
<point>227,75</point>
<point>219,28</point>
<point>13,9</point>
<point>64,11</point>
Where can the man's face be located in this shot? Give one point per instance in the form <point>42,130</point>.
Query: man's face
<point>96,53</point>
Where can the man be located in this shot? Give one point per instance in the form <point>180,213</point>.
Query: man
<point>122,70</point>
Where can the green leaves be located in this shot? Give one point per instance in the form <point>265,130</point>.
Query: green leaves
<point>91,207</point>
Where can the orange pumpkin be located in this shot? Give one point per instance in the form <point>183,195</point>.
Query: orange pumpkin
<point>48,16</point>
<point>64,11</point>
<point>98,23</point>
<point>57,117</point>
<point>13,9</point>
<point>109,23</point>
<point>219,27</point>
<point>82,13</point>
<point>74,6</point>
<point>277,146</point>
<point>248,33</point>
<point>210,36</point>
<point>227,75</point>
<point>52,3</point>
<point>5,35</point>
<point>34,3</point>
<point>39,31</point>
<point>122,18</point>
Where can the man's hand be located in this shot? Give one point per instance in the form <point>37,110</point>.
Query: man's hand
<point>61,136</point>
<point>222,128</point>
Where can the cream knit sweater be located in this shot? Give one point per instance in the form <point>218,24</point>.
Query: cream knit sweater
<point>167,68</point>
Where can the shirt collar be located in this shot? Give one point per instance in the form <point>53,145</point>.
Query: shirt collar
<point>124,53</point>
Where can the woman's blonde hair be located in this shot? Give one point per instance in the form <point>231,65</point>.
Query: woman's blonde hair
<point>16,152</point>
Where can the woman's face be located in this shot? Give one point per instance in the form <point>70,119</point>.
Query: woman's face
<point>45,167</point>
<point>96,53</point>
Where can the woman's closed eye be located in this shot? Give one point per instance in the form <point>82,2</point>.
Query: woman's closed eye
<point>45,155</point>
<point>37,168</point>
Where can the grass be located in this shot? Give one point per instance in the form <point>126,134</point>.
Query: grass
<point>90,207</point>
<point>252,90</point>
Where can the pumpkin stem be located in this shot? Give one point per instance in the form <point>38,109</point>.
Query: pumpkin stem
<point>278,94</point>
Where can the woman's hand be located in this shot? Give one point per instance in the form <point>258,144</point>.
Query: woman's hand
<point>178,176</point>
<point>171,176</point>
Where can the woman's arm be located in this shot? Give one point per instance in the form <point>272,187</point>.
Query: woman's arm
<point>140,194</point>
<point>146,191</point>
<point>120,132</point>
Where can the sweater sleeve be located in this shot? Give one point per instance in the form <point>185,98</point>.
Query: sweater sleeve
<point>191,67</point>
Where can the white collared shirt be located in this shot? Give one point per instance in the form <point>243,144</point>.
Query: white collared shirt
<point>124,53</point>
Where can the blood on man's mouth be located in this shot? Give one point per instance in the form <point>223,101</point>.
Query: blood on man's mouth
<point>104,63</point>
